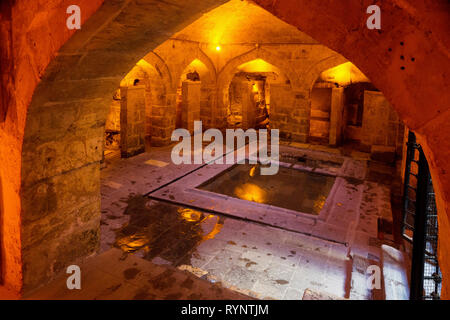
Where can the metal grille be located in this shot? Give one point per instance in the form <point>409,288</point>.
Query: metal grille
<point>410,187</point>
<point>432,282</point>
<point>420,224</point>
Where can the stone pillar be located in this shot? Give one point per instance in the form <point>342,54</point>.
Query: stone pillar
<point>248,105</point>
<point>207,105</point>
<point>132,121</point>
<point>380,126</point>
<point>300,116</point>
<point>336,116</point>
<point>281,102</point>
<point>191,92</point>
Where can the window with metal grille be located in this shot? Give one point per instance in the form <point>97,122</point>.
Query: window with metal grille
<point>420,224</point>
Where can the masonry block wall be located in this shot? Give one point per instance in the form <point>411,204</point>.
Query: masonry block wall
<point>281,100</point>
<point>132,121</point>
<point>113,120</point>
<point>190,108</point>
<point>41,159</point>
<point>382,131</point>
<point>299,64</point>
<point>207,105</point>
<point>336,116</point>
<point>321,99</point>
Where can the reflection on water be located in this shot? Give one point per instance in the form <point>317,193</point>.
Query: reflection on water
<point>250,192</point>
<point>163,230</point>
<point>189,215</point>
<point>319,203</point>
<point>290,189</point>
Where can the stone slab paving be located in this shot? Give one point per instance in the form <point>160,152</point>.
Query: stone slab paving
<point>256,259</point>
<point>115,275</point>
<point>137,175</point>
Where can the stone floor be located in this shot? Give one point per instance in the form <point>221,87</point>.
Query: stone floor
<point>114,275</point>
<point>249,258</point>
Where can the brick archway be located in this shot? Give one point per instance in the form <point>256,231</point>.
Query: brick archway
<point>227,73</point>
<point>60,187</point>
<point>314,72</point>
<point>40,163</point>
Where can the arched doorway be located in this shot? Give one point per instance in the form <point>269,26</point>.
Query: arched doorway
<point>194,94</point>
<point>249,94</point>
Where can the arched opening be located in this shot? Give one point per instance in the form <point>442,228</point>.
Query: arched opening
<point>193,96</point>
<point>134,115</point>
<point>54,152</point>
<point>348,111</point>
<point>249,94</point>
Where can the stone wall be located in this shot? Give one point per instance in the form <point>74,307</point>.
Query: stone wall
<point>320,113</point>
<point>382,130</point>
<point>113,120</point>
<point>190,106</point>
<point>132,120</point>
<point>60,192</point>
<point>299,66</point>
<point>107,48</point>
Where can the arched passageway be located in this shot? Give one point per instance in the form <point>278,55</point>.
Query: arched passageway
<point>53,141</point>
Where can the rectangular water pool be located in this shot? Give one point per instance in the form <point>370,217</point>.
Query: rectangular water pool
<point>291,189</point>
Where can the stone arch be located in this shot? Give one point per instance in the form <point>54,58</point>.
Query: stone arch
<point>191,51</point>
<point>156,85</point>
<point>206,61</point>
<point>314,72</point>
<point>57,151</point>
<point>106,47</point>
<point>161,67</point>
<point>227,73</point>
<point>207,89</point>
<point>413,45</point>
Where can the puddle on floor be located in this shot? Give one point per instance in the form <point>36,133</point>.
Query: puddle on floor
<point>166,231</point>
<point>290,188</point>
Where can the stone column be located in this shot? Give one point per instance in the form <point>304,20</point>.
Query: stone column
<point>336,116</point>
<point>191,92</point>
<point>132,121</point>
<point>281,102</point>
<point>380,126</point>
<point>207,105</point>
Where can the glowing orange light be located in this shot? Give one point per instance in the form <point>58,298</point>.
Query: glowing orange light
<point>344,74</point>
<point>251,192</point>
<point>252,171</point>
<point>218,48</point>
<point>190,215</point>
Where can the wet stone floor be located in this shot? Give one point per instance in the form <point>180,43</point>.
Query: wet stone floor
<point>255,259</point>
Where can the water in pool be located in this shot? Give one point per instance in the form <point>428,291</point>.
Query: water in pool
<point>290,189</point>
